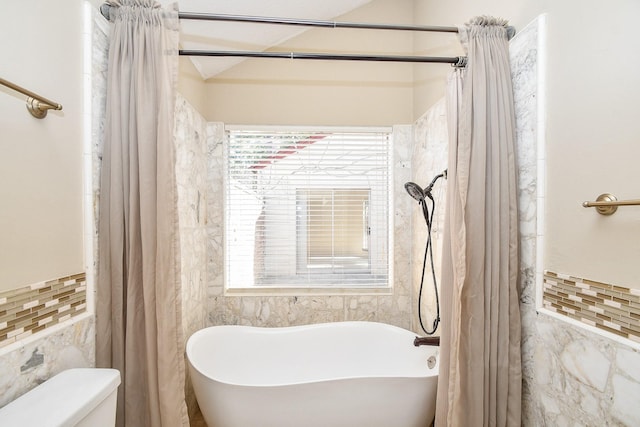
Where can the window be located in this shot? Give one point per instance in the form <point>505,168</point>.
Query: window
<point>307,208</point>
<point>332,230</point>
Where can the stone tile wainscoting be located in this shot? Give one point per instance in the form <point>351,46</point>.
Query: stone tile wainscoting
<point>190,133</point>
<point>612,308</point>
<point>429,158</point>
<point>571,375</point>
<point>30,309</point>
<point>44,329</point>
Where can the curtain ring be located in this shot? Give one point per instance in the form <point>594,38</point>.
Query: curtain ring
<point>462,62</point>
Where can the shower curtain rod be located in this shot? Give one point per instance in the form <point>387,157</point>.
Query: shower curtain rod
<point>456,61</point>
<point>311,22</point>
<point>511,31</point>
<point>104,10</point>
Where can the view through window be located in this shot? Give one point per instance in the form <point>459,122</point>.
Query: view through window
<point>307,207</point>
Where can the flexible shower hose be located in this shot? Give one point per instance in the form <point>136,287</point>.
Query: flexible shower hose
<point>428,250</point>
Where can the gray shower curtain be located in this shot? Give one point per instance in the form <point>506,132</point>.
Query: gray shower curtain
<point>138,304</point>
<point>480,370</point>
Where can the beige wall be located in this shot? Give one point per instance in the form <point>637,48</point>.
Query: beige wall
<point>592,127</point>
<point>593,99</point>
<point>303,92</point>
<point>41,221</point>
<point>593,139</point>
<point>430,78</point>
<point>191,85</point>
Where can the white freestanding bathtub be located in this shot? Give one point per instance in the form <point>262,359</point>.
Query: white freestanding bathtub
<point>350,374</point>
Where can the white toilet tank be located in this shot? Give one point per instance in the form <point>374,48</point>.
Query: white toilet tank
<point>83,397</point>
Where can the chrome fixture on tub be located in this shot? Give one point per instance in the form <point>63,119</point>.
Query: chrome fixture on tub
<point>435,341</point>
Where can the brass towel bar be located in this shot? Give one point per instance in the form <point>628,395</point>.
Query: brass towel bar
<point>607,204</point>
<point>36,104</point>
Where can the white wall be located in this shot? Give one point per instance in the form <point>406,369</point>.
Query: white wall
<point>41,222</point>
<point>41,181</point>
<point>429,79</point>
<point>593,101</point>
<point>191,85</point>
<point>593,96</point>
<point>339,93</point>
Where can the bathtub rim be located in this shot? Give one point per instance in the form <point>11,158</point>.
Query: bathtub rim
<point>432,373</point>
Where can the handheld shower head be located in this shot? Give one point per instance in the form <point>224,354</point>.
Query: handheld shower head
<point>420,194</point>
<point>414,191</point>
<point>428,188</point>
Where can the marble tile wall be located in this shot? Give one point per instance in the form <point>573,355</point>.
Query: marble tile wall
<point>191,177</point>
<point>524,74</point>
<point>572,375</point>
<point>428,159</point>
<point>99,65</point>
<point>581,378</point>
<point>31,362</point>
<point>280,310</point>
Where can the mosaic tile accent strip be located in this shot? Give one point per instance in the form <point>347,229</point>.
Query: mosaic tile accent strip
<point>612,308</point>
<point>25,311</point>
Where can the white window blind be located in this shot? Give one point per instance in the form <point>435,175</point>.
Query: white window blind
<point>307,208</point>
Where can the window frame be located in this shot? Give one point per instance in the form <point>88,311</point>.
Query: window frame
<point>270,290</point>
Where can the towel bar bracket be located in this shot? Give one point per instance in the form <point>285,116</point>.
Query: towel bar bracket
<point>607,204</point>
<point>38,109</point>
<point>36,105</point>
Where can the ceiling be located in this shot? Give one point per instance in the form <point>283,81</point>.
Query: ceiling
<point>219,35</point>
